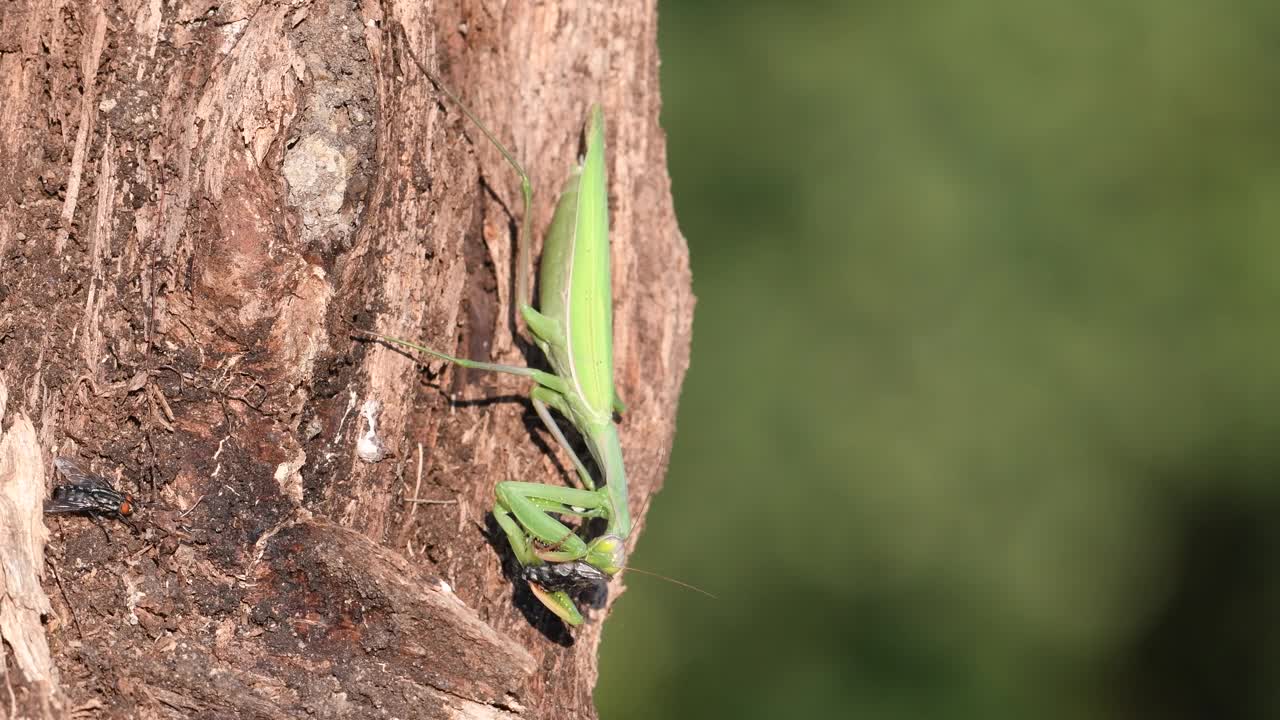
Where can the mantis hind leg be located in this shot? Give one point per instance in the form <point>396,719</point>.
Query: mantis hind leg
<point>543,398</point>
<point>543,378</point>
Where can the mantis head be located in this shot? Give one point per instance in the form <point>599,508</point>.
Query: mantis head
<point>552,582</point>
<point>608,553</point>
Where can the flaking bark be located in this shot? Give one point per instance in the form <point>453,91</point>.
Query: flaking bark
<point>201,201</point>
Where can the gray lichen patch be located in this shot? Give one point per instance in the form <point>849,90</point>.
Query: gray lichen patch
<point>317,172</point>
<point>328,161</point>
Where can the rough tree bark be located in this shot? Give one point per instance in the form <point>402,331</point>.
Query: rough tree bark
<point>200,200</point>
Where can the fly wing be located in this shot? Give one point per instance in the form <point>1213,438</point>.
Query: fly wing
<point>65,500</point>
<point>77,475</point>
<point>71,471</point>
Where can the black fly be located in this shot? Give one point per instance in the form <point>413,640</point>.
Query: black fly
<point>88,494</point>
<point>566,576</point>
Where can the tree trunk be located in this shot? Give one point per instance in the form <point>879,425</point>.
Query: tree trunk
<point>202,201</point>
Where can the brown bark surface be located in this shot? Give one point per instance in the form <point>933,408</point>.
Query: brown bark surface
<point>199,202</point>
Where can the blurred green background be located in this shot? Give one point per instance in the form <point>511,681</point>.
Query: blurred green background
<point>982,419</point>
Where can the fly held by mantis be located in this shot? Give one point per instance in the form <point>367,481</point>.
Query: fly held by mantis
<point>573,326</point>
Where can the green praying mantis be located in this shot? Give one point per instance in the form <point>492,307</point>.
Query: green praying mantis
<point>573,326</point>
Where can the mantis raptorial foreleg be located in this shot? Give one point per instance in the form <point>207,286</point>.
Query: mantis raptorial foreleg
<point>573,326</point>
